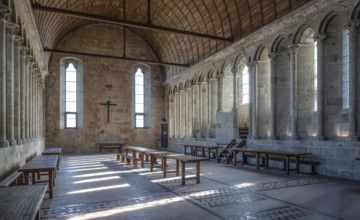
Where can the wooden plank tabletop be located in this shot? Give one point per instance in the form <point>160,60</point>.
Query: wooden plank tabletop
<point>38,165</point>
<point>21,202</point>
<point>187,158</point>
<point>200,146</point>
<point>46,157</point>
<point>140,149</point>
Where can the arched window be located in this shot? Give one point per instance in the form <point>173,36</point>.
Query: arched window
<point>345,67</point>
<point>71,93</point>
<point>70,97</point>
<point>139,99</point>
<point>245,85</point>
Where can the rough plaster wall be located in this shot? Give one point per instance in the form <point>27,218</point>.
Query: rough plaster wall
<point>97,74</point>
<point>305,89</point>
<point>335,122</point>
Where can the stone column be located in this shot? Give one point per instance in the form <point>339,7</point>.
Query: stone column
<point>210,109</point>
<point>176,115</point>
<point>196,121</point>
<point>220,92</point>
<point>4,12</point>
<point>253,104</point>
<point>319,40</point>
<point>353,80</point>
<point>171,118</point>
<point>235,98</point>
<point>181,114</point>
<point>272,125</point>
<point>17,85</point>
<point>10,102</point>
<point>200,113</point>
<point>214,107</point>
<point>27,98</point>
<point>189,126</point>
<point>293,91</point>
<point>23,72</point>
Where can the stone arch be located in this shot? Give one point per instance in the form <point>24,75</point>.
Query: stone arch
<point>355,15</point>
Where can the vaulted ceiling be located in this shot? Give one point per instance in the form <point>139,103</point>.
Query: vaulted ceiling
<point>180,32</point>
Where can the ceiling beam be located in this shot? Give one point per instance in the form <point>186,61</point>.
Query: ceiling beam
<point>99,18</point>
<point>114,57</point>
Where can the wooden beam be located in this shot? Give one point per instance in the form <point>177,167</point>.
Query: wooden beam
<point>99,18</point>
<point>114,57</point>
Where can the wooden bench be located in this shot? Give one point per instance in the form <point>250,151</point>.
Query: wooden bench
<point>112,145</point>
<point>306,159</point>
<point>21,202</point>
<point>123,157</point>
<point>13,179</point>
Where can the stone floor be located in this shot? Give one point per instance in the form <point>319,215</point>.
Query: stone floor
<point>99,187</point>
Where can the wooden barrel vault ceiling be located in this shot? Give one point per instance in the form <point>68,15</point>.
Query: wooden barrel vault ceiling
<point>181,33</point>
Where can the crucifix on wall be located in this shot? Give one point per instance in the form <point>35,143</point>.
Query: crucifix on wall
<point>108,104</point>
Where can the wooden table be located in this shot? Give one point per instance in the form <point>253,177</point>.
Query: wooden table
<point>142,153</point>
<point>194,149</point>
<point>111,145</point>
<point>54,151</point>
<point>163,155</point>
<point>48,157</point>
<point>266,153</point>
<point>21,202</point>
<point>184,159</point>
<point>36,166</point>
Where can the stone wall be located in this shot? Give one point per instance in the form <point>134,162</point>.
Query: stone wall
<point>104,80</point>
<point>309,114</point>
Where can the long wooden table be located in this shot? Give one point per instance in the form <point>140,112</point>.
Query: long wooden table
<point>37,166</point>
<point>164,156</point>
<point>194,149</point>
<point>54,151</point>
<point>286,154</point>
<point>111,145</point>
<point>21,202</point>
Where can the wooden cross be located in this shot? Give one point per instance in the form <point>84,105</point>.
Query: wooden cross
<point>108,104</point>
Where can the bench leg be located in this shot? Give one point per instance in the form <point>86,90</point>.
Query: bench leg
<point>135,163</point>
<point>164,166</point>
<point>197,172</point>
<point>118,157</point>
<point>51,184</point>
<point>128,161</point>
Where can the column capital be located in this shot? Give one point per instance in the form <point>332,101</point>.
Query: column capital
<point>352,26</point>
<point>294,48</point>
<point>272,56</point>
<point>12,28</point>
<point>24,50</point>
<point>4,11</point>
<point>19,40</point>
<point>253,63</point>
<point>220,76</point>
<point>319,37</point>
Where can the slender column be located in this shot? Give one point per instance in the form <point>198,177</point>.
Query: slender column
<point>176,114</point>
<point>200,102</point>
<point>36,105</point>
<point>214,107</point>
<point>319,40</point>
<point>195,111</point>
<point>10,40</point>
<point>234,108</point>
<point>253,105</point>
<point>23,72</point>
<point>353,80</point>
<point>189,115</point>
<point>293,91</point>
<point>220,92</point>
<point>4,12</point>
<point>210,109</point>
<point>171,117</point>
<point>272,57</point>
<point>27,98</point>
<point>181,110</point>
<point>17,85</point>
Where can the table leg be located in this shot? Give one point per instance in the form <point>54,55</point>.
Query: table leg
<point>182,173</point>
<point>152,161</point>
<point>164,166</point>
<point>257,160</point>
<point>185,150</point>
<point>203,151</point>
<point>197,172</point>
<point>134,154</point>
<point>50,184</point>
<point>177,168</point>
<point>287,165</point>
<point>297,164</point>
<point>217,152</point>
<point>26,176</point>
<point>33,177</point>
<point>267,161</point>
<point>244,159</point>
<point>141,155</point>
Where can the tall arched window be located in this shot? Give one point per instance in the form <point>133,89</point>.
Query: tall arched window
<point>70,97</point>
<point>245,85</point>
<point>139,99</point>
<point>345,78</point>
<point>71,93</point>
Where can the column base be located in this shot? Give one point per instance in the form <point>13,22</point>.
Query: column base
<point>4,144</point>
<point>353,138</point>
<point>321,138</point>
<point>12,142</point>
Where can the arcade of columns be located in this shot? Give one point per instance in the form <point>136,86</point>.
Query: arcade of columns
<point>22,87</point>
